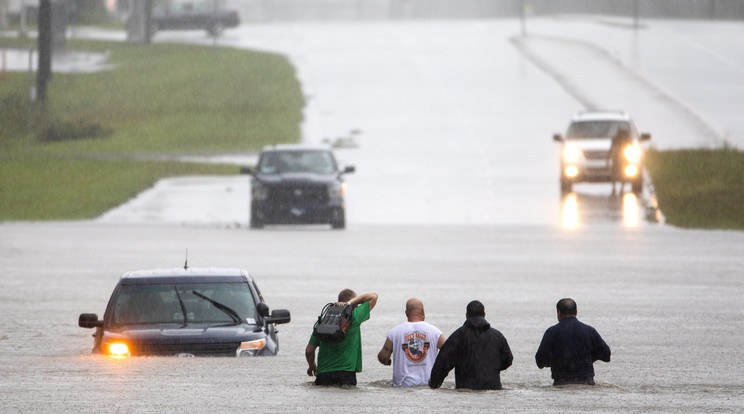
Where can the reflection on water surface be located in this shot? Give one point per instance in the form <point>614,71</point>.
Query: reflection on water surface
<point>578,209</point>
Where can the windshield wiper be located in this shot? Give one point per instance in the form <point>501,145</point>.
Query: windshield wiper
<point>226,309</point>
<point>183,307</point>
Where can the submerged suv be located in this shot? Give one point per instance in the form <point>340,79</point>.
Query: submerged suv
<point>186,312</point>
<point>586,154</point>
<point>297,184</point>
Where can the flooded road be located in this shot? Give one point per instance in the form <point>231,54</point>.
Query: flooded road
<point>455,198</point>
<point>668,302</point>
<point>452,122</point>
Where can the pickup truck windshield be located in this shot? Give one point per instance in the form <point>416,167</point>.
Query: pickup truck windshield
<point>282,162</point>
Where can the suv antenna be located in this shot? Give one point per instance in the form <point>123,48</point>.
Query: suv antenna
<point>186,263</point>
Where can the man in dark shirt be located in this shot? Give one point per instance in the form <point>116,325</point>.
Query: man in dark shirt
<point>477,352</point>
<point>570,348</point>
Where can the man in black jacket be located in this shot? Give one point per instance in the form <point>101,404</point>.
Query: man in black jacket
<point>570,348</point>
<point>477,352</point>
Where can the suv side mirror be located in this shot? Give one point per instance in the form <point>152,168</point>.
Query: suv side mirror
<point>246,170</point>
<point>557,138</point>
<point>89,320</point>
<point>279,316</point>
<point>348,169</point>
<point>645,136</point>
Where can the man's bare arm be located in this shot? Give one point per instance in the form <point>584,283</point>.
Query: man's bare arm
<point>441,341</point>
<point>310,357</point>
<point>385,353</point>
<point>364,297</point>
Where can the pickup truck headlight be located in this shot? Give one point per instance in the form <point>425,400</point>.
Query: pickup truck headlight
<point>259,191</point>
<point>336,191</point>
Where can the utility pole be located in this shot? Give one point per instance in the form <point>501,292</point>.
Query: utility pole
<point>636,13</point>
<point>44,72</point>
<point>523,17</point>
<point>139,27</point>
<point>3,14</point>
<point>712,9</point>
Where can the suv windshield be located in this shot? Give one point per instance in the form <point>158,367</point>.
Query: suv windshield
<point>203,303</point>
<point>596,129</point>
<point>281,162</point>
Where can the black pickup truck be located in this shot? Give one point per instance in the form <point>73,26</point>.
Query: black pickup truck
<point>193,15</point>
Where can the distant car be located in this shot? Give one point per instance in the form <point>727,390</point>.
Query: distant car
<point>193,15</point>
<point>297,184</point>
<point>586,154</point>
<point>186,312</point>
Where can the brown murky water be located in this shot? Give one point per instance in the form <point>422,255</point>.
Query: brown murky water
<point>668,302</point>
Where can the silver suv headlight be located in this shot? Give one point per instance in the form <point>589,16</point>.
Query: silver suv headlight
<point>571,153</point>
<point>632,153</point>
<point>250,348</point>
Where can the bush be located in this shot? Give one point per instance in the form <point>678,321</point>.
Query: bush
<point>59,131</point>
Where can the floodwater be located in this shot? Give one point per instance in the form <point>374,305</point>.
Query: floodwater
<point>667,301</point>
<point>455,198</point>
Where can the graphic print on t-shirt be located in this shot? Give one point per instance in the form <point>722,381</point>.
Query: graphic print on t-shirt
<point>415,346</point>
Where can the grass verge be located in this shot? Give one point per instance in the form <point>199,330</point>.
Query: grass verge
<point>162,98</point>
<point>79,158</point>
<point>699,188</point>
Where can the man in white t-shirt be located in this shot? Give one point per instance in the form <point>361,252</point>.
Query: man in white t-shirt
<point>411,346</point>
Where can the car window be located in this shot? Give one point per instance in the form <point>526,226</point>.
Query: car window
<point>281,162</point>
<point>165,304</point>
<point>596,129</point>
<point>258,292</point>
<point>201,6</point>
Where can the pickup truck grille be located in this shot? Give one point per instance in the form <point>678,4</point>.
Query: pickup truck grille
<point>299,194</point>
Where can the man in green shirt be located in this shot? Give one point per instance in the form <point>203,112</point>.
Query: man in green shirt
<point>338,363</point>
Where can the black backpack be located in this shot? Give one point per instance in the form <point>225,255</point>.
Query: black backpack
<point>333,322</point>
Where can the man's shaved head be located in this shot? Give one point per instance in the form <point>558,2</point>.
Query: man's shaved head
<point>414,310</point>
<point>414,304</point>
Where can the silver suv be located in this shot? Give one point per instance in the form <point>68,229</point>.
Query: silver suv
<point>602,147</point>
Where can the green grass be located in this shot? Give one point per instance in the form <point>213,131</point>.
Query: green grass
<point>699,188</point>
<point>80,157</point>
<point>167,98</point>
